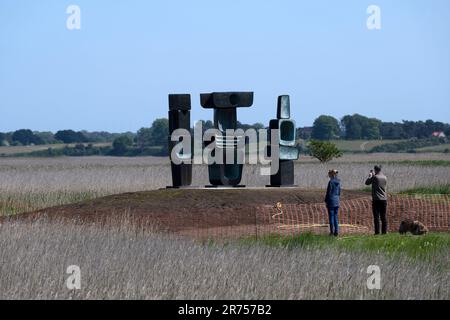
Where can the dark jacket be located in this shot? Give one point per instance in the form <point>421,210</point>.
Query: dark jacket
<point>333,193</point>
<point>378,182</point>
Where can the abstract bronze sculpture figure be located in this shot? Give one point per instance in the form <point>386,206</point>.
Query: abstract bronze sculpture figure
<point>226,173</point>
<point>288,152</point>
<point>224,147</point>
<point>180,118</point>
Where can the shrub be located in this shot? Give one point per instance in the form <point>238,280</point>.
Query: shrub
<point>323,150</point>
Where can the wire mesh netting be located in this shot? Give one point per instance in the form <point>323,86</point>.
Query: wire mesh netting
<point>355,217</point>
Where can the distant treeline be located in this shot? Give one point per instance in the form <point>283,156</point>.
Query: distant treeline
<point>153,140</point>
<point>358,127</point>
<point>150,141</point>
<point>26,137</point>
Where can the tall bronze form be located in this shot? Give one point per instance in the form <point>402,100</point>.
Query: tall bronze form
<point>286,138</point>
<point>225,117</point>
<point>180,118</point>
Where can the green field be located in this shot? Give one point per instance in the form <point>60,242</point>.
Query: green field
<point>360,145</point>
<point>439,148</point>
<point>440,189</point>
<point>367,145</point>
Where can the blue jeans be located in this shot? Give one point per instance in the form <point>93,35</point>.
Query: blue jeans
<point>333,218</point>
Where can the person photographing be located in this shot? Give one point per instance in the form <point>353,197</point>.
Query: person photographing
<point>379,198</point>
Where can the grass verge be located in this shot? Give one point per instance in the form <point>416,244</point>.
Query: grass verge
<point>419,163</point>
<point>15,203</point>
<point>394,245</point>
<point>440,189</point>
<point>429,163</point>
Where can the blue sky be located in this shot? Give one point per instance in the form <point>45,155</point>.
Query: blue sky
<point>116,71</point>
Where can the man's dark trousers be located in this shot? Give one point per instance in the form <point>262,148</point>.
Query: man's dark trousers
<point>379,208</point>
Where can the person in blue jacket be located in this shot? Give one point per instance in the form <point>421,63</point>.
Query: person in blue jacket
<point>332,200</point>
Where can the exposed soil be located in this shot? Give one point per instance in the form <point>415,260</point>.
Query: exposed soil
<point>178,210</point>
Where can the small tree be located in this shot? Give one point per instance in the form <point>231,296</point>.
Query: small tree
<point>160,132</point>
<point>121,144</point>
<point>154,136</point>
<point>325,128</point>
<point>3,139</point>
<point>144,138</point>
<point>70,136</point>
<point>26,137</point>
<point>323,150</point>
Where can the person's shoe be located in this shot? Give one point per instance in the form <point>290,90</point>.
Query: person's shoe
<point>336,234</point>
